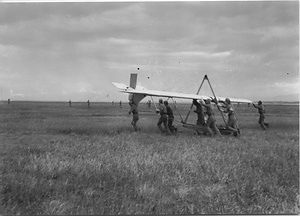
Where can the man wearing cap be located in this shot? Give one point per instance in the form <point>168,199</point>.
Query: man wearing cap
<point>211,121</point>
<point>162,110</point>
<point>232,122</point>
<point>261,111</point>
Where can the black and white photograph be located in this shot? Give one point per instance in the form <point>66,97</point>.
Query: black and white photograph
<point>149,107</point>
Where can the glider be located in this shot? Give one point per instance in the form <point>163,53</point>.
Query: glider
<point>137,93</point>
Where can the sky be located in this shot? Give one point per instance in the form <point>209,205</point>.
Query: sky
<point>74,51</point>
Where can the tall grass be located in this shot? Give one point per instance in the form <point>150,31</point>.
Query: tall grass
<point>90,162</point>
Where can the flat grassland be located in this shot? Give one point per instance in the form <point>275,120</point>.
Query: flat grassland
<point>57,159</point>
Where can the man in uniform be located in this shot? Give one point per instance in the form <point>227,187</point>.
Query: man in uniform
<point>170,117</point>
<point>232,122</point>
<point>200,112</point>
<point>211,121</point>
<point>135,117</point>
<point>162,110</point>
<point>261,111</point>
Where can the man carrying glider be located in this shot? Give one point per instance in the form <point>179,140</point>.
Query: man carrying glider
<point>200,112</point>
<point>170,117</point>
<point>162,110</point>
<point>211,121</point>
<point>232,122</point>
<point>261,111</point>
<point>135,117</point>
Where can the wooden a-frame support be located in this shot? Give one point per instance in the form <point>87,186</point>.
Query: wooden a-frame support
<point>184,122</point>
<point>223,130</point>
<point>215,99</point>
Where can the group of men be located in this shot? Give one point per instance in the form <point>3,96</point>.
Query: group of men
<point>226,107</point>
<point>206,116</point>
<point>166,117</point>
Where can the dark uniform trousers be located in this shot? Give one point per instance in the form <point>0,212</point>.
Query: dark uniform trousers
<point>163,119</point>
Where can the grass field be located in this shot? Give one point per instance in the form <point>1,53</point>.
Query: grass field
<point>57,159</point>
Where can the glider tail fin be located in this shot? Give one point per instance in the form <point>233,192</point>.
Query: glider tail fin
<point>136,98</point>
<point>133,80</point>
